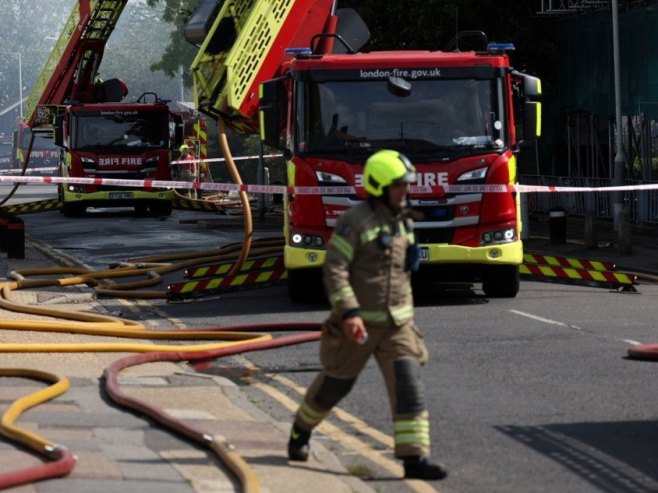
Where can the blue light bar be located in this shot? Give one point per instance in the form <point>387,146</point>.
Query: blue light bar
<point>298,51</point>
<point>500,47</point>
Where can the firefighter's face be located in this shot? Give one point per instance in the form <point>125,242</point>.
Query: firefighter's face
<point>397,195</point>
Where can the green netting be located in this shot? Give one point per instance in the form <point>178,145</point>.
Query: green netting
<point>586,72</point>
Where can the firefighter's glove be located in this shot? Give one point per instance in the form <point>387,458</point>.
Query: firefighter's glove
<point>355,330</point>
<point>413,257</point>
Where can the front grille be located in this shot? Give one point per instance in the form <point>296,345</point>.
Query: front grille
<point>434,235</point>
<point>436,212</point>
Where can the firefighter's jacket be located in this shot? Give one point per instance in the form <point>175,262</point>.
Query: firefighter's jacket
<point>365,271</point>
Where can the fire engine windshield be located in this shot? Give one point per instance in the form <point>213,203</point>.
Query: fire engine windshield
<point>128,131</point>
<point>445,118</point>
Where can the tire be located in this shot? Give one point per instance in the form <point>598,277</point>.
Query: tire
<point>69,209</point>
<point>305,286</point>
<point>72,210</point>
<point>160,209</point>
<point>501,281</point>
<point>141,210</point>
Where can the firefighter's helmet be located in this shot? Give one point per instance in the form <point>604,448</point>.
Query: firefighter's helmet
<point>385,168</point>
<point>184,148</point>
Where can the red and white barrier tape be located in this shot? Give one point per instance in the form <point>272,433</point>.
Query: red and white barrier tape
<point>622,188</point>
<point>281,189</point>
<point>221,159</point>
<point>29,170</point>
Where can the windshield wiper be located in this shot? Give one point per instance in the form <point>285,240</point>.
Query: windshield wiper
<point>477,141</point>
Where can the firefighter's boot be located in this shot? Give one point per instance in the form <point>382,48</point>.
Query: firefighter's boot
<point>298,448</point>
<point>417,467</point>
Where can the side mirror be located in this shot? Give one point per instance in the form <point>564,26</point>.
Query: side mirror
<point>531,86</point>
<point>272,109</point>
<point>179,130</point>
<point>58,136</point>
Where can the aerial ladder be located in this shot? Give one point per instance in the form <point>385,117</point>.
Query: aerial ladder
<point>70,71</point>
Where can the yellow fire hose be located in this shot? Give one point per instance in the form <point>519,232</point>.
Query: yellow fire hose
<point>62,460</point>
<point>246,208</point>
<point>102,325</point>
<point>95,324</point>
<point>59,386</point>
<point>85,323</point>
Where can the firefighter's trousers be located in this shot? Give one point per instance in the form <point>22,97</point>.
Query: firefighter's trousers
<point>399,352</point>
<point>189,176</point>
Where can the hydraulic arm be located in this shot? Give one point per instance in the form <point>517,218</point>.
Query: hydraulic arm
<point>243,46</point>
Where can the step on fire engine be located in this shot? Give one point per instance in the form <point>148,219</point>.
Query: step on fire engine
<point>291,70</point>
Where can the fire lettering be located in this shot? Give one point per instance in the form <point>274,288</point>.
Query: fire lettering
<point>120,161</point>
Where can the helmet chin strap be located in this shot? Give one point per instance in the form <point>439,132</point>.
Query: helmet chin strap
<point>385,199</point>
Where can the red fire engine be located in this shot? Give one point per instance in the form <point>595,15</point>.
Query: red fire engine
<point>459,116</point>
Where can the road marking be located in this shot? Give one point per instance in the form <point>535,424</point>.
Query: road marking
<point>346,440</point>
<point>562,324</point>
<point>538,318</point>
<point>358,424</point>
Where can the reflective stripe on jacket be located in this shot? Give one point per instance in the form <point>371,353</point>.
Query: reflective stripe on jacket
<point>365,267</point>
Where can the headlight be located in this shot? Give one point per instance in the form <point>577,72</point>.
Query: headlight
<point>304,240</point>
<point>476,175</point>
<point>329,179</point>
<point>506,235</point>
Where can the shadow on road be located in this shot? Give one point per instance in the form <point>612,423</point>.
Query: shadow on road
<point>616,457</point>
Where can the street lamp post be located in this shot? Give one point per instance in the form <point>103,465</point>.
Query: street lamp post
<point>20,77</point>
<point>620,161</point>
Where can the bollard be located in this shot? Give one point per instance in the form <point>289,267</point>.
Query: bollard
<point>15,238</point>
<point>558,225</point>
<point>591,232</point>
<point>624,242</point>
<point>4,220</point>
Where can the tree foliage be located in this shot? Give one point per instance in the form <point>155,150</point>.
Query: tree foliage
<point>178,53</point>
<point>128,57</point>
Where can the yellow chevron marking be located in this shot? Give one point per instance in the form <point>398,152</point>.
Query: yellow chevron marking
<point>264,276</point>
<point>238,280</point>
<point>571,273</point>
<point>189,287</point>
<point>269,262</point>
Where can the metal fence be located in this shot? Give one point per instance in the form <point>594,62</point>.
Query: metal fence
<point>642,205</point>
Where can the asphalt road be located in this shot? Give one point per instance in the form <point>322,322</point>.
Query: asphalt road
<point>531,394</point>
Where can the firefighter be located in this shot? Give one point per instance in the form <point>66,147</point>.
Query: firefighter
<point>188,169</point>
<point>367,277</point>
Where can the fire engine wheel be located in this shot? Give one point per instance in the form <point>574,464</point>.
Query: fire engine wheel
<point>501,281</point>
<point>68,209</point>
<point>305,286</point>
<point>160,209</point>
<point>141,210</point>
<point>72,210</point>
